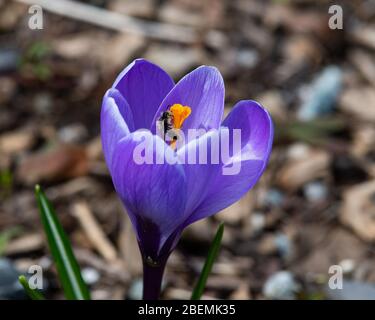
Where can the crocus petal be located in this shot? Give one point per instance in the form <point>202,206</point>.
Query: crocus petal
<point>115,120</point>
<point>256,137</point>
<point>256,127</point>
<point>203,91</point>
<point>144,85</point>
<point>154,194</point>
<point>200,167</point>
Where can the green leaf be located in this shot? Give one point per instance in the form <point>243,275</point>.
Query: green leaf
<point>212,254</point>
<point>6,236</point>
<point>67,266</point>
<point>32,293</point>
<point>316,131</point>
<point>6,182</point>
<point>37,51</point>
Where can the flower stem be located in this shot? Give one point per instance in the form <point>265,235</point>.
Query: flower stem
<point>152,278</point>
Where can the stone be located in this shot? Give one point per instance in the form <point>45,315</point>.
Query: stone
<point>281,286</point>
<point>352,290</point>
<point>10,288</point>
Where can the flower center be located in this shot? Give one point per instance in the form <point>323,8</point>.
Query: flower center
<point>171,121</point>
<point>180,114</point>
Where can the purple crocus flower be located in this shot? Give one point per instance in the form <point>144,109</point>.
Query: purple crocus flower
<point>162,199</point>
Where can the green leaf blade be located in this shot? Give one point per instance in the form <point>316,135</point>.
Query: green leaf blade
<point>32,293</point>
<point>61,250</point>
<point>212,254</point>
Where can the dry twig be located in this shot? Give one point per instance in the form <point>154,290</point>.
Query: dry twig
<point>93,231</point>
<point>116,21</point>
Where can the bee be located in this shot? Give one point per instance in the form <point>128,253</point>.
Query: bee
<point>165,125</point>
<point>166,120</point>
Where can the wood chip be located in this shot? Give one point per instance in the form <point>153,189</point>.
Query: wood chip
<point>295,173</point>
<point>238,211</point>
<point>59,163</point>
<point>365,63</point>
<point>183,294</point>
<point>242,292</point>
<point>74,186</point>
<point>115,269</point>
<point>116,21</point>
<point>274,103</point>
<point>359,102</point>
<point>358,210</point>
<point>124,48</point>
<point>136,8</point>
<point>16,141</point>
<point>364,35</point>
<point>363,140</point>
<point>177,14</point>
<point>175,60</point>
<point>8,89</point>
<point>25,244</point>
<point>94,232</point>
<point>128,247</point>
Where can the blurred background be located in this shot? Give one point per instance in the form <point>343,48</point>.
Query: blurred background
<point>313,208</point>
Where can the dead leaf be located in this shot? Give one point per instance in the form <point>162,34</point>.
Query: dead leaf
<point>359,102</point>
<point>365,63</point>
<point>124,48</point>
<point>314,164</point>
<point>25,244</point>
<point>238,211</point>
<point>16,141</point>
<point>364,140</point>
<point>174,60</point>
<point>7,89</point>
<point>59,163</point>
<point>136,8</point>
<point>274,103</point>
<point>358,210</point>
<point>364,35</point>
<point>128,248</point>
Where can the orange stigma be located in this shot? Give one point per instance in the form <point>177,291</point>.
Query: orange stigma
<point>180,114</point>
